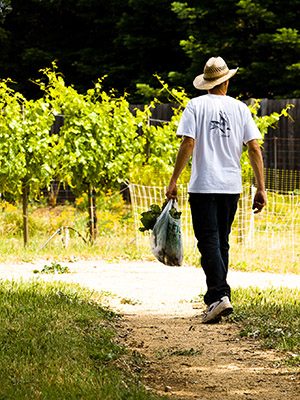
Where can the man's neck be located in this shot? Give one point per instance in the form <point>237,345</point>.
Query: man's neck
<point>220,90</point>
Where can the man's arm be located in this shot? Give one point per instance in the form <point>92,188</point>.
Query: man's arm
<point>256,160</point>
<point>184,153</point>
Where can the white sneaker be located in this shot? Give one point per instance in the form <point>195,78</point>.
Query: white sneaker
<point>217,310</point>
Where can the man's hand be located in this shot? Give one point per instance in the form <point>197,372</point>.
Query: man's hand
<point>171,192</point>
<point>259,202</point>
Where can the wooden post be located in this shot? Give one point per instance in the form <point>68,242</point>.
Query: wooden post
<point>92,214</point>
<point>25,196</point>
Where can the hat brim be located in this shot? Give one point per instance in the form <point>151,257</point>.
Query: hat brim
<point>203,84</point>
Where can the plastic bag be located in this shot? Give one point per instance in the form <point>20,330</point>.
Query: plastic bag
<point>166,238</point>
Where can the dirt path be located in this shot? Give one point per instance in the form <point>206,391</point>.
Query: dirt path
<point>144,287</point>
<point>176,355</point>
<point>183,359</point>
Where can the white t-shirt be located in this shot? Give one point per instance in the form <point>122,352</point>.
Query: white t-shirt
<point>220,125</point>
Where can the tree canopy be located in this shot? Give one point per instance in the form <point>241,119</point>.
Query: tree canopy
<point>129,41</point>
<point>260,37</point>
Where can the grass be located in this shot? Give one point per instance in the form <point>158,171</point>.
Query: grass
<point>57,342</point>
<point>272,316</point>
<point>274,247</point>
<point>115,239</point>
<point>122,247</point>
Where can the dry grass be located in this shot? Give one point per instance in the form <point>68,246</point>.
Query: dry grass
<point>273,246</point>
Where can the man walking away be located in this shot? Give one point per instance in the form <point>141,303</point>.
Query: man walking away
<point>214,128</point>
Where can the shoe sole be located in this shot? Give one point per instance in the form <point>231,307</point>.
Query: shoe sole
<point>216,319</point>
<point>225,312</point>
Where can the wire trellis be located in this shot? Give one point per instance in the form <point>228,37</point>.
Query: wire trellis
<point>265,239</point>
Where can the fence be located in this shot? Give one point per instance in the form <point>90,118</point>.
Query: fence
<point>267,240</point>
<point>282,161</point>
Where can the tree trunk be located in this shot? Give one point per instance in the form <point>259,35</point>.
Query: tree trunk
<point>53,194</point>
<point>25,196</point>
<point>92,214</point>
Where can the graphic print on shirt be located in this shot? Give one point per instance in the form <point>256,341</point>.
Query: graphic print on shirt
<point>221,126</point>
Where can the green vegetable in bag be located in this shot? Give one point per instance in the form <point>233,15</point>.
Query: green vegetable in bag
<point>149,217</point>
<point>166,238</point>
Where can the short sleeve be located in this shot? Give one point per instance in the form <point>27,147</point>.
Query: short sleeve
<point>187,123</point>
<point>251,130</point>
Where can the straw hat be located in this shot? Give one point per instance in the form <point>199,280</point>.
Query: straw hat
<point>215,73</point>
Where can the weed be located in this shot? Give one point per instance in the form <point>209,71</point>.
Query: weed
<point>186,352</point>
<point>171,352</point>
<point>126,300</point>
<point>54,268</point>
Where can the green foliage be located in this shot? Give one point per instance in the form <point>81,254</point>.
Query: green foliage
<point>261,37</point>
<point>118,39</point>
<point>26,150</point>
<point>101,143</point>
<point>160,143</point>
<point>27,147</point>
<point>147,92</point>
<point>98,139</point>
<point>5,9</point>
<point>255,13</point>
<point>131,40</point>
<point>264,124</point>
<point>267,121</point>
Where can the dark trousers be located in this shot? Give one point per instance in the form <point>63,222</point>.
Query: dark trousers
<point>212,216</point>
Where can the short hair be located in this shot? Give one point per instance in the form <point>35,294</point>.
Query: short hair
<point>220,84</point>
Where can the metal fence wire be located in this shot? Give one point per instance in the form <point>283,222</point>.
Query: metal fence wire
<point>270,238</point>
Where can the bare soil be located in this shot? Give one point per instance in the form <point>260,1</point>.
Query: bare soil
<point>174,353</point>
<point>183,359</point>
